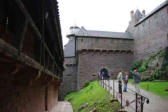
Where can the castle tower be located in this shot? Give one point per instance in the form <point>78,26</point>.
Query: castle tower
<point>138,15</point>
<point>73,30</point>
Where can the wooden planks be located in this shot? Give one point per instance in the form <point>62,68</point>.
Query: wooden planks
<point>9,51</point>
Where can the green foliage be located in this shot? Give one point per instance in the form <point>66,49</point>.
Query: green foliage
<point>157,74</point>
<point>96,97</point>
<point>144,66</point>
<point>136,65</point>
<point>105,106</point>
<point>86,84</point>
<point>141,66</point>
<point>166,68</point>
<point>162,54</point>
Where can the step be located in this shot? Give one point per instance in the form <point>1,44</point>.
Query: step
<point>122,110</point>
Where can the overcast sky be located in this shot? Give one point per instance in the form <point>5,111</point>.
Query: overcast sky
<point>103,15</point>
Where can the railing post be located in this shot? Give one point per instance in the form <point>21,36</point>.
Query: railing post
<point>141,103</point>
<point>121,95</point>
<point>109,84</point>
<point>104,84</point>
<point>113,89</point>
<point>136,103</point>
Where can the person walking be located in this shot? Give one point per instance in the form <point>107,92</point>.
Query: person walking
<point>136,80</point>
<point>119,78</point>
<point>125,81</point>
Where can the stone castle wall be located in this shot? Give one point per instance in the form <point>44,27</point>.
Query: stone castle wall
<point>103,43</point>
<point>90,63</point>
<point>69,82</point>
<point>93,52</point>
<point>151,35</point>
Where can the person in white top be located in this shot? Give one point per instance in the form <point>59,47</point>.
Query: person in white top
<point>119,78</point>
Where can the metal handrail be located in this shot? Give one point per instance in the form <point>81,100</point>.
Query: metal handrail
<point>138,97</point>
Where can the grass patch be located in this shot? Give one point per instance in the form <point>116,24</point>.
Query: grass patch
<point>157,88</point>
<point>96,97</point>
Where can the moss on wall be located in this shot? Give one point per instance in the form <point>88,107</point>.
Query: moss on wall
<point>155,67</point>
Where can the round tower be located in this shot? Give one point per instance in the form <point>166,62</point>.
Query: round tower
<point>73,30</point>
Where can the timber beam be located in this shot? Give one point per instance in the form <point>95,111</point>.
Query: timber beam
<point>23,9</point>
<point>11,52</point>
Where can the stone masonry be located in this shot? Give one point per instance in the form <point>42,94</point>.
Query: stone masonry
<point>150,33</point>
<point>145,35</point>
<point>90,63</point>
<point>69,82</point>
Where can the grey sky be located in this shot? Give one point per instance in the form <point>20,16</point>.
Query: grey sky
<point>103,15</point>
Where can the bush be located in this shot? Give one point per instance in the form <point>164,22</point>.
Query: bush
<point>136,65</point>
<point>166,68</point>
<point>162,54</point>
<point>144,66</point>
<point>86,84</point>
<point>157,75</point>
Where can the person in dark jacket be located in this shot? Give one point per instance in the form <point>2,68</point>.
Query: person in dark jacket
<point>136,80</point>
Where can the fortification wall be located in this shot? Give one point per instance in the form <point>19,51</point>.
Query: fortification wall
<point>103,43</point>
<point>90,63</point>
<point>151,35</point>
<point>69,82</point>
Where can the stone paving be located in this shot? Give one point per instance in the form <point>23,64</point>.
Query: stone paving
<point>156,103</point>
<point>63,107</point>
